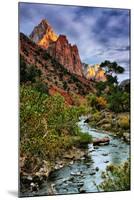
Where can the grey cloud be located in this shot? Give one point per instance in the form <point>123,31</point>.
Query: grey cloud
<point>99,33</point>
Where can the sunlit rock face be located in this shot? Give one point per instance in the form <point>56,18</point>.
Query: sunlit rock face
<point>43,34</point>
<point>66,54</point>
<point>91,73</point>
<point>58,47</point>
<point>100,75</point>
<point>94,72</point>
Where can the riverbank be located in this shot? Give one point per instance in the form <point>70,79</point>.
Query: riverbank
<point>109,122</point>
<point>80,170</point>
<point>32,181</point>
<point>48,130</point>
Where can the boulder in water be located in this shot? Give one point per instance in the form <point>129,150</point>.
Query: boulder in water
<point>97,169</point>
<point>105,154</point>
<point>99,141</point>
<point>92,173</point>
<point>82,190</point>
<point>87,120</point>
<point>76,173</point>
<point>107,161</point>
<point>80,184</point>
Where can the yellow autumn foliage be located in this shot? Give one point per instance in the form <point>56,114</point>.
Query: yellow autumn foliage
<point>101,101</point>
<point>124,122</point>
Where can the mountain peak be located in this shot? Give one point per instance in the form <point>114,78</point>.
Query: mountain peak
<point>57,46</point>
<point>44,21</point>
<point>43,34</point>
<point>44,24</point>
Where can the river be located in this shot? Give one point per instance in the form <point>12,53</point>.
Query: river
<point>85,174</point>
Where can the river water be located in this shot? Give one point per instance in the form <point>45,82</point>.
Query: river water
<point>85,174</point>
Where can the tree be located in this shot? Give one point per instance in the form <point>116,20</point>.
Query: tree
<point>28,72</point>
<point>112,67</point>
<point>118,101</point>
<point>111,79</point>
<point>100,86</point>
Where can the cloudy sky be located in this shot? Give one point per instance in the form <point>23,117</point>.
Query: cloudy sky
<point>100,33</point>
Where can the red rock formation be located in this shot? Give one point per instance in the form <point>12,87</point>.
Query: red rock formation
<point>96,73</point>
<point>54,76</point>
<point>58,47</point>
<point>43,34</point>
<point>66,54</point>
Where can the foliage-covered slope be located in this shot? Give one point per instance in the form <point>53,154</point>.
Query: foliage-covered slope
<point>54,75</point>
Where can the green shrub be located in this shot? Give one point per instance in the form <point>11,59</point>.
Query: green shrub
<point>91,99</point>
<point>42,87</point>
<point>47,124</point>
<point>65,85</point>
<point>118,101</point>
<point>46,56</point>
<point>28,72</point>
<point>97,116</point>
<point>116,178</point>
<point>85,138</point>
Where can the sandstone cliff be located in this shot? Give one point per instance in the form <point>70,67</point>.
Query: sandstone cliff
<point>43,34</point>
<point>66,54</point>
<point>58,47</point>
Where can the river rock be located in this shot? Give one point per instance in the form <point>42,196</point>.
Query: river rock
<point>68,156</point>
<point>71,178</point>
<point>75,154</point>
<point>80,184</point>
<point>92,173</point>
<point>126,137</point>
<point>103,144</point>
<point>103,141</point>
<point>87,120</point>
<point>83,158</point>
<point>26,180</point>
<point>65,180</point>
<point>107,161</point>
<point>29,178</point>
<point>105,154</point>
<point>38,179</point>
<point>76,173</point>
<point>34,187</point>
<point>97,168</point>
<point>106,126</point>
<point>58,166</point>
<point>64,185</point>
<point>114,145</point>
<point>96,147</point>
<point>72,162</point>
<point>44,170</point>
<point>104,121</point>
<point>90,147</point>
<point>82,190</point>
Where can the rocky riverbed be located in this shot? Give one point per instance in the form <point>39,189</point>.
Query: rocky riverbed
<point>81,173</point>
